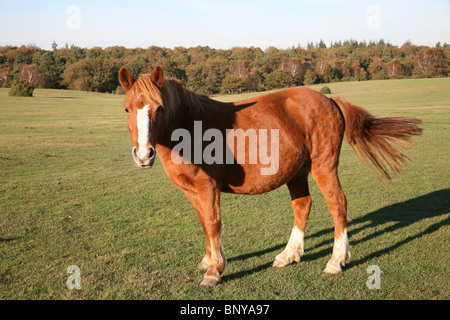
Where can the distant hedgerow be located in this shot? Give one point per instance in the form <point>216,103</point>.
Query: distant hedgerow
<point>21,88</point>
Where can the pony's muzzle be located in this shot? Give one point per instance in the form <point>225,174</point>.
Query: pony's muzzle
<point>147,162</point>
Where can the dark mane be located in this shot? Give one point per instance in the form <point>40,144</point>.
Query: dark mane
<point>171,96</point>
<point>177,95</point>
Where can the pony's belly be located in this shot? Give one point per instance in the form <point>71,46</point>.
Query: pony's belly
<point>257,184</point>
<point>250,189</point>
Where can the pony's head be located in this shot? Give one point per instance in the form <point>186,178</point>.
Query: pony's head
<point>144,106</point>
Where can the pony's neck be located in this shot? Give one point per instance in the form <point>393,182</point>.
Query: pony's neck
<point>181,108</point>
<point>181,104</point>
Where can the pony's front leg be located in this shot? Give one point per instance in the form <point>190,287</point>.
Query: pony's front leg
<point>206,200</point>
<point>193,197</point>
<point>217,260</point>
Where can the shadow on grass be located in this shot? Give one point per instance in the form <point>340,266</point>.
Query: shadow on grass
<point>257,253</point>
<point>237,275</point>
<point>403,214</point>
<point>8,239</point>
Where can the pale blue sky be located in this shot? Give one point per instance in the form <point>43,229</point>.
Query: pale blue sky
<point>221,24</point>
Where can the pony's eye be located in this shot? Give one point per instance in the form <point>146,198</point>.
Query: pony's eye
<point>159,109</point>
<point>127,110</point>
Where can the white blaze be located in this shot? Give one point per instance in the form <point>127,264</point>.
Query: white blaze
<point>143,125</point>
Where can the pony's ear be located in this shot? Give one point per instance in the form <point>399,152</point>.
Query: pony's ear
<point>125,78</point>
<point>157,76</point>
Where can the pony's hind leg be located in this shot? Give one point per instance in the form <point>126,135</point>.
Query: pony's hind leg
<point>328,182</point>
<point>301,203</point>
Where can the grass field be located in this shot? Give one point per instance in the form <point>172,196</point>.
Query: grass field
<point>71,195</point>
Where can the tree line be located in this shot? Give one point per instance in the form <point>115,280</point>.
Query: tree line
<point>212,71</point>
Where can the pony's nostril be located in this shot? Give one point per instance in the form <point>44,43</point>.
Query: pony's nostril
<point>152,152</point>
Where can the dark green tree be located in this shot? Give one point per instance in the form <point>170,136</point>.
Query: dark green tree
<point>99,75</point>
<point>232,84</point>
<point>279,79</point>
<point>51,66</point>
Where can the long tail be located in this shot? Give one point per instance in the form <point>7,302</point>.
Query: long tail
<point>380,142</point>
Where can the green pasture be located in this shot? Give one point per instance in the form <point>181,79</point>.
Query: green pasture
<point>71,195</point>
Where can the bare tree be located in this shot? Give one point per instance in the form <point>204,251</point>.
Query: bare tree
<point>295,67</point>
<point>394,68</point>
<point>29,73</point>
<point>4,75</point>
<point>430,62</point>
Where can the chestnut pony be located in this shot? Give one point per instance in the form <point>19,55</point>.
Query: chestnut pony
<point>310,129</point>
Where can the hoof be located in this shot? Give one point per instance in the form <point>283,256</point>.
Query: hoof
<point>283,260</point>
<point>332,269</point>
<point>203,266</point>
<point>279,264</point>
<point>207,282</point>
